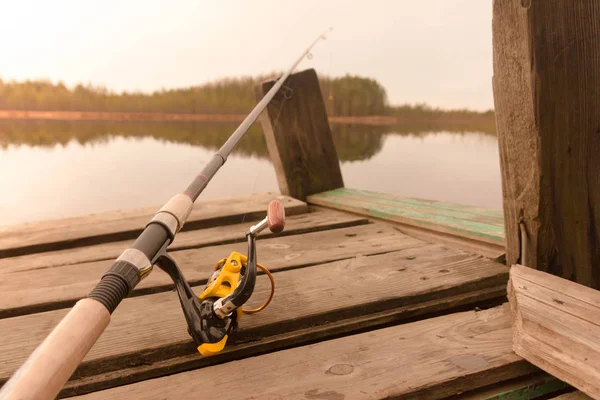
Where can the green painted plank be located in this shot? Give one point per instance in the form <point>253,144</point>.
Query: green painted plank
<point>433,211</point>
<point>496,214</point>
<point>438,222</point>
<point>493,217</point>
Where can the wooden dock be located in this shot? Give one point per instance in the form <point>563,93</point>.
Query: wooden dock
<point>377,297</point>
<point>362,309</point>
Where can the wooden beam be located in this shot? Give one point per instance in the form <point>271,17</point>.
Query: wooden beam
<point>546,80</point>
<point>556,326</point>
<point>299,137</point>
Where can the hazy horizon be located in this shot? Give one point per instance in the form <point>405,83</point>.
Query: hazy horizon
<point>434,51</point>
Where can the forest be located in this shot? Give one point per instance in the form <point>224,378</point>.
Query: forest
<point>348,95</point>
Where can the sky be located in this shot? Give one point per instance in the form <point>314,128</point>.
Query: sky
<point>434,51</point>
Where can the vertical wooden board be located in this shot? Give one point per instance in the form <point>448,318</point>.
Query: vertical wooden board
<point>566,98</point>
<point>299,137</point>
<point>515,126</point>
<point>546,80</point>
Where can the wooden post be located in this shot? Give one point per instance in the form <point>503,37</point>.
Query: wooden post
<point>547,100</point>
<point>299,138</point>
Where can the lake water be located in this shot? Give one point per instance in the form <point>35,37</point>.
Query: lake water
<point>62,169</point>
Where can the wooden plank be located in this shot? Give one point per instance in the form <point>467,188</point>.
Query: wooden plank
<point>37,290</point>
<point>556,326</point>
<point>425,359</point>
<point>127,224</point>
<point>142,371</point>
<point>428,278</point>
<point>573,396</point>
<point>536,385</point>
<point>299,138</point>
<point>546,79</point>
<point>318,220</point>
<point>439,219</point>
<point>433,207</point>
<point>493,251</point>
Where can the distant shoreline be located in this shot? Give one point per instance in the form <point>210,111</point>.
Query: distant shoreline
<point>131,116</point>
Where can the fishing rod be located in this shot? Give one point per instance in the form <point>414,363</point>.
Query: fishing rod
<point>211,316</point>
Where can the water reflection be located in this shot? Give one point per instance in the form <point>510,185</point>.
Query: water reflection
<point>353,142</point>
<point>54,169</point>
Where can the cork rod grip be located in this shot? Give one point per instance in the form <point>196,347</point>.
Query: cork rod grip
<point>51,365</point>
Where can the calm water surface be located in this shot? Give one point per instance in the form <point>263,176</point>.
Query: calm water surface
<point>55,170</point>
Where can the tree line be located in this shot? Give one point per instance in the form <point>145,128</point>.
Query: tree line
<point>348,95</point>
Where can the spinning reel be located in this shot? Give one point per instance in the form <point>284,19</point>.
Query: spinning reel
<point>214,315</point>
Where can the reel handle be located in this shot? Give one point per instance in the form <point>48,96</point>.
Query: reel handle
<point>276,216</point>
<point>275,219</point>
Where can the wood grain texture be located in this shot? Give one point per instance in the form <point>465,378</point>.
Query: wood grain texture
<point>536,385</point>
<point>23,292</point>
<point>556,326</point>
<point>546,79</point>
<point>127,224</point>
<point>494,251</point>
<point>297,224</point>
<point>518,139</point>
<point>299,137</point>
<point>474,228</point>
<point>427,359</point>
<point>573,396</point>
<point>279,341</point>
<point>358,286</point>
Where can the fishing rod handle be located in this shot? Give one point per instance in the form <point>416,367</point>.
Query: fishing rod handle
<point>51,365</point>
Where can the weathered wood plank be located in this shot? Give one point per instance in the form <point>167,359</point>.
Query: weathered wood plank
<point>493,251</point>
<point>556,325</point>
<point>433,207</point>
<point>299,137</point>
<point>426,359</point>
<point>302,223</point>
<point>573,396</point>
<point>546,80</point>
<point>127,224</point>
<point>37,290</point>
<point>536,385</point>
<point>428,216</point>
<point>357,287</point>
<point>424,309</point>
